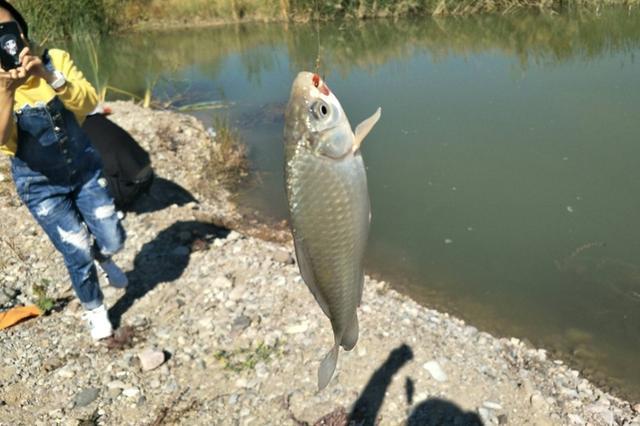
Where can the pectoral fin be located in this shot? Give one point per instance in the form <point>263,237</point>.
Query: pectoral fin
<point>364,128</point>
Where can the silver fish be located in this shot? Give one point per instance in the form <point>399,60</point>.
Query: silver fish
<point>328,202</point>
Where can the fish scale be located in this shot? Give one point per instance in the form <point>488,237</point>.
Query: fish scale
<point>328,202</point>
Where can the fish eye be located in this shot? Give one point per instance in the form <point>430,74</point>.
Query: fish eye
<point>320,110</point>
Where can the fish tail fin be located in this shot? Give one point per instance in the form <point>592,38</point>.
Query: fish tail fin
<point>350,336</point>
<point>327,367</point>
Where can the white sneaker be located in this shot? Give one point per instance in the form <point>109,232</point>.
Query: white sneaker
<point>117,278</point>
<point>99,323</point>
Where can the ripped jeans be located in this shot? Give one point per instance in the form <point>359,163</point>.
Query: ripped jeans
<point>58,175</point>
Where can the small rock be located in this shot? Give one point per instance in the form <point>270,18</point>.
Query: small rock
<point>283,256</point>
<point>636,408</point>
<point>537,401</point>
<point>485,415</point>
<point>66,373</point>
<point>131,392</point>
<point>297,329</point>
<point>435,370</point>
<point>139,321</point>
<point>86,397</point>
<point>233,399</point>
<point>233,235</point>
<point>151,359</point>
<point>56,414</point>
<point>52,363</point>
<point>503,419</point>
<point>241,323</point>
<point>222,282</point>
<point>492,405</point>
<point>113,393</point>
<point>116,384</point>
<point>576,419</point>
<point>237,293</point>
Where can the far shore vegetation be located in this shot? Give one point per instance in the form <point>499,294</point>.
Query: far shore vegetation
<point>68,18</point>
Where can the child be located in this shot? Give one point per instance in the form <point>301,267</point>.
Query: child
<point>57,173</point>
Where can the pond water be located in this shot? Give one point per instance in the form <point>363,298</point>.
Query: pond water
<point>504,173</point>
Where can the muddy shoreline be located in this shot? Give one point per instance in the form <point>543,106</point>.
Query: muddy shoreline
<point>242,336</point>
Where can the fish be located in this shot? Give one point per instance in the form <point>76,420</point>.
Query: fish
<point>329,207</point>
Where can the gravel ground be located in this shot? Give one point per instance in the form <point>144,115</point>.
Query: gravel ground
<point>217,327</point>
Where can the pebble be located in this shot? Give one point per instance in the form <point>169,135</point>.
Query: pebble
<point>237,293</point>
<point>537,401</point>
<point>435,371</point>
<point>131,392</point>
<point>151,359</point>
<point>221,282</point>
<point>492,405</point>
<point>86,397</point>
<point>241,322</point>
<point>283,257</point>
<point>576,419</point>
<point>485,415</point>
<point>116,384</point>
<point>636,408</point>
<point>233,235</point>
<point>65,373</point>
<point>297,328</point>
<point>113,393</point>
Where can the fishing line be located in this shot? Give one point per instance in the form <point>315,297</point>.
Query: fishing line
<point>317,18</point>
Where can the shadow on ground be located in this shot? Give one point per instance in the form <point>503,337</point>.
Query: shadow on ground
<point>430,412</point>
<point>164,260</point>
<point>162,194</point>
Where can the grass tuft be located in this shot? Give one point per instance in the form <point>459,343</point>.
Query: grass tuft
<point>229,163</point>
<point>43,301</point>
<point>244,359</point>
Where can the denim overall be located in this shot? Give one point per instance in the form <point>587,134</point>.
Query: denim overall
<point>58,175</point>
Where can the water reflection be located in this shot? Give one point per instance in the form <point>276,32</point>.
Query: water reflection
<point>133,62</point>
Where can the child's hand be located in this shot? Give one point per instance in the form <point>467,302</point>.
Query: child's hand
<point>33,65</point>
<point>12,79</point>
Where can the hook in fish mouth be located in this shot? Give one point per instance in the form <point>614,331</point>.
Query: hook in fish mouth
<point>323,88</point>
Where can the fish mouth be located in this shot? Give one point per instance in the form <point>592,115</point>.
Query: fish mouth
<point>319,84</point>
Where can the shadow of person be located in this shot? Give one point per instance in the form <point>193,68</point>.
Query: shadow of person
<point>366,408</point>
<point>437,412</point>
<point>162,194</point>
<point>164,260</point>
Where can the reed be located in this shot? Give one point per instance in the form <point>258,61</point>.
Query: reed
<point>70,18</point>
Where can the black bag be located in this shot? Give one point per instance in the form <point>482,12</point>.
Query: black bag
<point>127,166</point>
